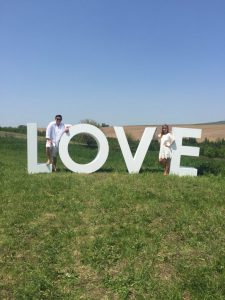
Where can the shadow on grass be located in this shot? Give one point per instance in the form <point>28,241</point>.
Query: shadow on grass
<point>111,170</point>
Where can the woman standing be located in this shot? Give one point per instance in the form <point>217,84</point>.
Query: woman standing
<point>165,152</point>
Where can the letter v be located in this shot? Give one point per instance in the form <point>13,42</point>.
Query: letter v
<point>134,163</point>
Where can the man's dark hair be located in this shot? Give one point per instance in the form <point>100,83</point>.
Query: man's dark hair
<point>58,116</point>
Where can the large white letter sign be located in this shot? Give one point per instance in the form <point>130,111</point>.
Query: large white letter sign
<point>179,150</point>
<point>103,148</point>
<point>134,163</point>
<point>32,165</point>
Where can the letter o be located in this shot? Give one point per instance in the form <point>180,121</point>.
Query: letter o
<point>95,133</point>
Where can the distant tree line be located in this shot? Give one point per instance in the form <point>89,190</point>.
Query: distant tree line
<point>19,129</point>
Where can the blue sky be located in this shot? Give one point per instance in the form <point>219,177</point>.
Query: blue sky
<point>121,62</point>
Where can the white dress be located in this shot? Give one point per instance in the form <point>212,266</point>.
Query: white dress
<point>166,141</point>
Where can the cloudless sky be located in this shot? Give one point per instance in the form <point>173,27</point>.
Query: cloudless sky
<point>121,62</point>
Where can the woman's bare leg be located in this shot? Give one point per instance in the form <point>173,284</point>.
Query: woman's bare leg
<point>167,167</point>
<point>163,163</point>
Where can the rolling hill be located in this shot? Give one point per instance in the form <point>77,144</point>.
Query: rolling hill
<point>210,131</point>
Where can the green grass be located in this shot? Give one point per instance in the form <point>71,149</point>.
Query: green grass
<point>109,235</point>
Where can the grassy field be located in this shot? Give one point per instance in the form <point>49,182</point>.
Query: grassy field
<point>109,235</point>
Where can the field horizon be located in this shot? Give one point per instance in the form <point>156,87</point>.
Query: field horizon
<point>212,131</point>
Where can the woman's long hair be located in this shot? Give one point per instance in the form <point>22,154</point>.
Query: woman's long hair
<point>168,130</point>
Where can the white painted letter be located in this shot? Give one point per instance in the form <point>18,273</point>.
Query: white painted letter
<point>134,163</point>
<point>179,150</point>
<point>32,165</point>
<point>103,148</point>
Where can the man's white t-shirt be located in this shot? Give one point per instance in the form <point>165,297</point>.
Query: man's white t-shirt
<point>54,132</point>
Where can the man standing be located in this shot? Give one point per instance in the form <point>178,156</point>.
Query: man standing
<point>54,132</point>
